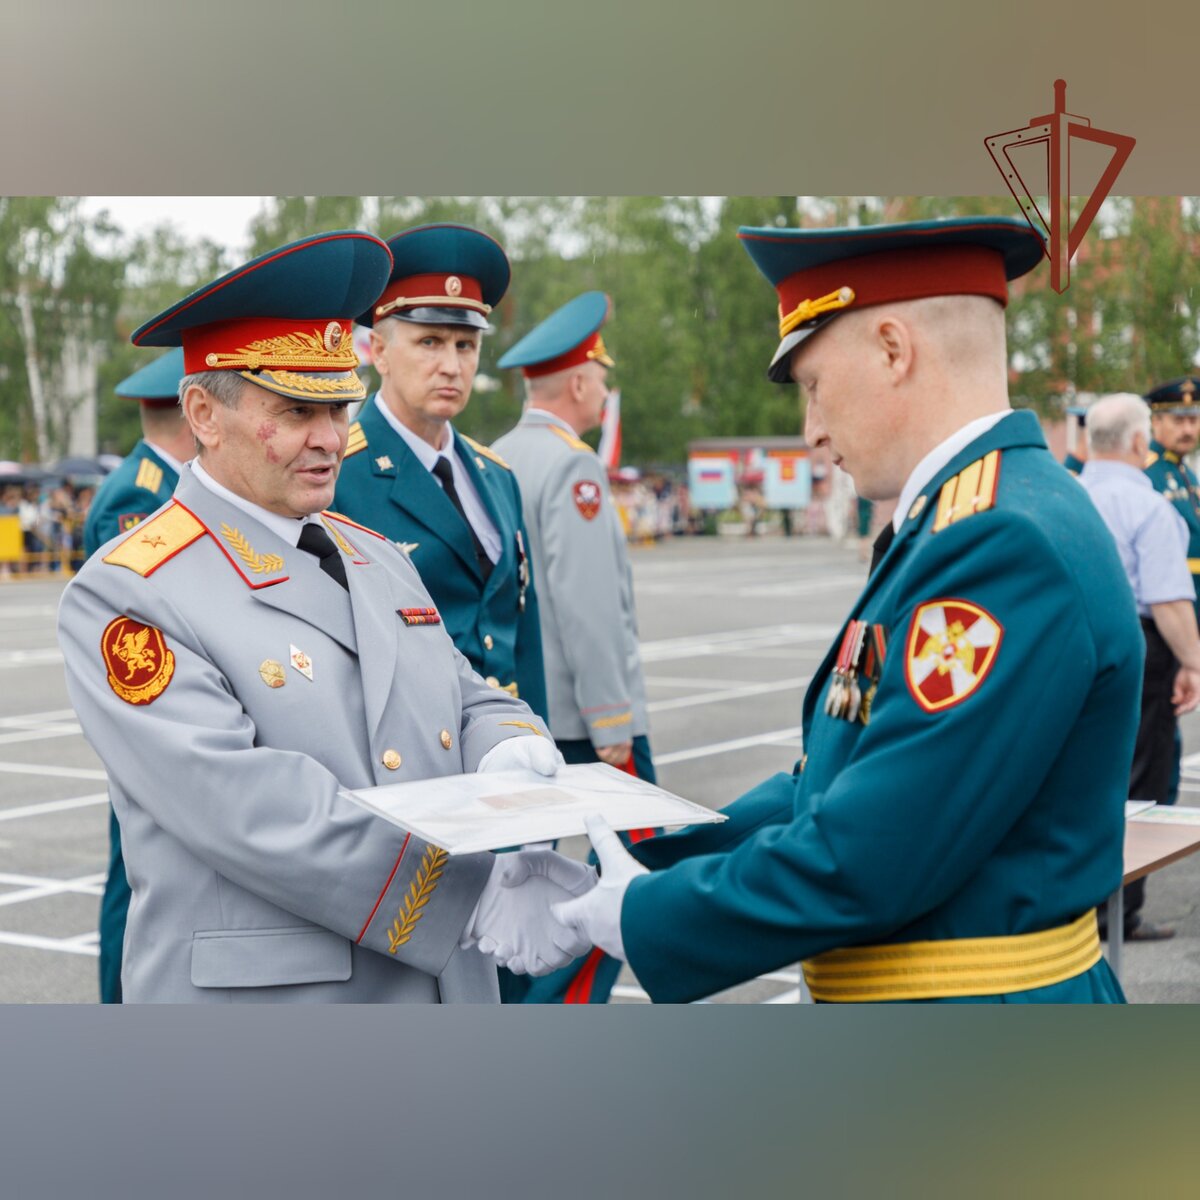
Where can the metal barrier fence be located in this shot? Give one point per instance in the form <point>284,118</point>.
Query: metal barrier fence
<point>18,563</point>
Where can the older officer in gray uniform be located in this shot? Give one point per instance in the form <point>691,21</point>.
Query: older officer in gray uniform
<point>581,571</point>
<point>242,659</point>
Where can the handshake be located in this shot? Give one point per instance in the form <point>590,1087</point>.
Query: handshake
<point>540,909</point>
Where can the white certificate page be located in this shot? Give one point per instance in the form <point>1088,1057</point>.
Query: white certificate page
<point>464,814</point>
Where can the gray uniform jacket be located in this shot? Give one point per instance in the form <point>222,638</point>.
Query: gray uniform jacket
<point>584,583</point>
<point>189,646</point>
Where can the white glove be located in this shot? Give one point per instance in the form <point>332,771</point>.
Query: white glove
<point>595,917</point>
<point>523,754</point>
<point>512,923</point>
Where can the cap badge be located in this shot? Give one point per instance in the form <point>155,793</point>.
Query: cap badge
<point>333,336</point>
<point>453,285</point>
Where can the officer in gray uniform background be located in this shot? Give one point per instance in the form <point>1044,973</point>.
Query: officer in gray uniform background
<point>584,583</point>
<point>242,658</point>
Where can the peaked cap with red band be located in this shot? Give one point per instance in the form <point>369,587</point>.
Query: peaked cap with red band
<point>566,338</point>
<point>156,384</point>
<point>283,320</point>
<point>821,273</point>
<point>442,275</point>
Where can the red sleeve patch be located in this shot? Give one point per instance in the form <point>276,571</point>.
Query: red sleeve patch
<point>587,496</point>
<point>952,645</point>
<point>139,664</point>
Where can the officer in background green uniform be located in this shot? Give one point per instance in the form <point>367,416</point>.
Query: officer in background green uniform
<point>932,843</point>
<point>450,503</point>
<point>1175,424</point>
<point>139,486</point>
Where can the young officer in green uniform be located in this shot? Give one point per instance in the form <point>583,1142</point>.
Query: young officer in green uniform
<point>451,504</point>
<point>1175,425</point>
<point>959,812</point>
<point>139,486</point>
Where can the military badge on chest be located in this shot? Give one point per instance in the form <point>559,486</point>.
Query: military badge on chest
<point>856,672</point>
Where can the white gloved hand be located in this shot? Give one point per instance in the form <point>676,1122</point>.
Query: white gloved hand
<point>595,917</point>
<point>522,754</point>
<point>512,923</point>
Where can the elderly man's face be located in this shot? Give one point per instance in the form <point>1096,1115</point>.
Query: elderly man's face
<point>1176,432</point>
<point>845,408</point>
<point>280,454</point>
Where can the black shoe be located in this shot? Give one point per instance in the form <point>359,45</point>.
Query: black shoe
<point>1147,931</point>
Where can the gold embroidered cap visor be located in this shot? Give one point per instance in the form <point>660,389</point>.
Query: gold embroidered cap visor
<point>282,320</point>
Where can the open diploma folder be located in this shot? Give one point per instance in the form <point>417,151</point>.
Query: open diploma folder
<point>468,813</point>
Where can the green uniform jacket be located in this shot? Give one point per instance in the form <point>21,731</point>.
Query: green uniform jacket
<point>1000,812</point>
<point>1174,479</point>
<point>384,486</point>
<point>142,484</point>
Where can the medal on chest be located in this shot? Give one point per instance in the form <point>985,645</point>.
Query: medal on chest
<point>856,672</point>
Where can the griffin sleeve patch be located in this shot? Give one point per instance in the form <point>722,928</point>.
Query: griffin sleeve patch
<point>952,645</point>
<point>139,664</point>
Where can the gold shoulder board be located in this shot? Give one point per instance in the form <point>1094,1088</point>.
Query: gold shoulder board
<point>1151,459</point>
<point>149,476</point>
<point>151,543</point>
<point>971,491</point>
<point>356,441</point>
<point>572,441</point>
<point>486,451</point>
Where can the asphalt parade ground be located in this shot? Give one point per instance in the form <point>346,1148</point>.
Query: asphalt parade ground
<point>731,630</point>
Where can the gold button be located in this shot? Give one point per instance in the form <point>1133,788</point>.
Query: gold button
<point>447,740</point>
<point>492,681</point>
<point>487,641</point>
<point>391,760</point>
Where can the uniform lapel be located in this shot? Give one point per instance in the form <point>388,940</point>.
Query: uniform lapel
<point>414,490</point>
<point>482,478</point>
<point>298,588</point>
<point>375,625</point>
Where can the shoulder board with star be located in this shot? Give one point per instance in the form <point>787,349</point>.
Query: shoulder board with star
<point>971,491</point>
<point>354,524</point>
<point>151,543</point>
<point>149,475</point>
<point>571,440</point>
<point>356,441</point>
<point>486,451</point>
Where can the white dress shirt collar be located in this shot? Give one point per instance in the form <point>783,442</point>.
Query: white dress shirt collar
<point>286,528</point>
<point>426,454</point>
<point>169,459</point>
<point>938,457</point>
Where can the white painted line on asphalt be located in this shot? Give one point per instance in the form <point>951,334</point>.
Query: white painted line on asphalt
<point>30,658</point>
<point>680,681</point>
<point>732,693</point>
<point>37,720</point>
<point>39,735</point>
<point>22,611</point>
<point>52,806</point>
<point>734,641</point>
<point>64,945</point>
<point>759,739</point>
<point>85,885</point>
<point>61,772</point>
<point>789,997</point>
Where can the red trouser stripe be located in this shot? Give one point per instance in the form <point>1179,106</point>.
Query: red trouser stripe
<point>580,989</point>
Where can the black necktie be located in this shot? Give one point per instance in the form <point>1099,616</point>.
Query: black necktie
<point>316,541</point>
<point>881,544</point>
<point>445,473</point>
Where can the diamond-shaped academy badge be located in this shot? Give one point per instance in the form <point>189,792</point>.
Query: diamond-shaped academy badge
<point>952,645</point>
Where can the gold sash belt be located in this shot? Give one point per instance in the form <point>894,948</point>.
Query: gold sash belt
<point>987,966</point>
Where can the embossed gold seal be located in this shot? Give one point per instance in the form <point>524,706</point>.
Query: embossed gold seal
<point>391,760</point>
<point>446,739</point>
<point>272,673</point>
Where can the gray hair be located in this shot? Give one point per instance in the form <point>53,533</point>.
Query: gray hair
<point>225,386</point>
<point>1113,423</point>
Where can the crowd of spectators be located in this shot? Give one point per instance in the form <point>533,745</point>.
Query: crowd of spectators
<point>51,517</point>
